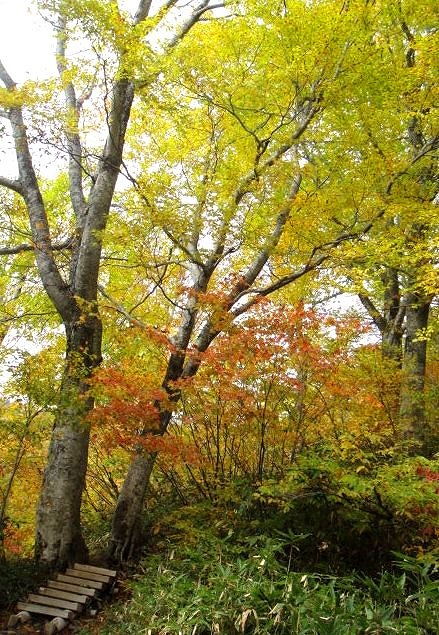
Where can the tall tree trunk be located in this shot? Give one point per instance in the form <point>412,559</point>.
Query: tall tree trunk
<point>58,536</point>
<point>125,529</point>
<point>126,522</point>
<point>129,506</point>
<point>394,312</point>
<point>58,526</point>
<point>412,400</point>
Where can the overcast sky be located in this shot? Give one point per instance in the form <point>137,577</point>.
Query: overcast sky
<point>26,41</point>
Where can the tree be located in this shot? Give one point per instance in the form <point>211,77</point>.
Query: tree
<point>244,192</point>
<point>72,284</point>
<point>405,258</point>
<point>247,169</point>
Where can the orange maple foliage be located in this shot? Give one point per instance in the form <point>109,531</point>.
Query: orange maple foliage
<point>279,380</point>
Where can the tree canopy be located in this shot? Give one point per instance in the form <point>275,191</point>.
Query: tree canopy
<point>221,171</point>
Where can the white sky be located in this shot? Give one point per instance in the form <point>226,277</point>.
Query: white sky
<point>26,42</point>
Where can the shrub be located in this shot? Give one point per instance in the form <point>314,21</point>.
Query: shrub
<point>233,584</point>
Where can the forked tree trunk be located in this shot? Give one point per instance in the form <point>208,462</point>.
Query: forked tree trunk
<point>58,526</point>
<point>393,313</point>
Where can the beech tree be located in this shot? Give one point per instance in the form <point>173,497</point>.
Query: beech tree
<point>402,247</point>
<point>72,285</point>
<point>230,183</point>
<point>259,187</point>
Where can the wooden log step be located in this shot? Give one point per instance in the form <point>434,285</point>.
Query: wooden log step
<point>74,588</point>
<point>77,573</point>
<point>93,569</point>
<point>61,604</point>
<point>55,626</point>
<point>40,609</point>
<point>63,595</point>
<point>20,618</point>
<point>79,581</point>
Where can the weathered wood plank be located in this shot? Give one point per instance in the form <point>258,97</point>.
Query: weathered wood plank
<point>48,601</point>
<point>93,569</point>
<point>45,610</point>
<point>88,576</point>
<point>63,595</point>
<point>79,581</point>
<point>74,588</point>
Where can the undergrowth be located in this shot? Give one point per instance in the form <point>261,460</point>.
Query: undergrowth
<point>17,577</point>
<point>234,584</point>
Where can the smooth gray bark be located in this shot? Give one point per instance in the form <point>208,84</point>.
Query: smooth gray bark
<point>59,539</point>
<point>58,531</point>
<point>126,530</point>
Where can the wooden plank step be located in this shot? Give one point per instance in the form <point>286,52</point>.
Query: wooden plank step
<point>45,610</point>
<point>63,595</point>
<point>79,581</point>
<point>74,588</point>
<point>88,576</point>
<point>93,569</point>
<point>61,604</point>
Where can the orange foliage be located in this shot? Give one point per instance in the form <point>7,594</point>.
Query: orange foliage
<point>281,379</point>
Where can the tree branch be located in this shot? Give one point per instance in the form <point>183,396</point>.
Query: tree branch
<point>74,147</point>
<point>190,22</point>
<point>272,241</point>
<point>142,11</point>
<point>311,265</point>
<point>12,184</point>
<point>121,309</point>
<point>18,249</point>
<point>376,316</point>
<point>51,277</point>
<point>307,116</point>
<point>6,78</point>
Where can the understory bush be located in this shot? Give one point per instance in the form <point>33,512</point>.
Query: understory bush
<point>226,584</point>
<point>357,511</point>
<point>17,577</point>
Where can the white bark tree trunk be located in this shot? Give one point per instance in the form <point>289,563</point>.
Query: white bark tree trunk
<point>59,539</point>
<point>125,529</point>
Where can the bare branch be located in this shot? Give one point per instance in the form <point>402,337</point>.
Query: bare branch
<point>18,249</point>
<point>14,294</point>
<point>311,265</point>
<point>6,78</point>
<point>376,316</point>
<point>433,144</point>
<point>12,184</point>
<point>30,190</point>
<point>122,310</point>
<point>271,242</point>
<point>142,11</point>
<point>190,22</point>
<point>74,148</point>
<point>186,250</point>
<point>312,109</point>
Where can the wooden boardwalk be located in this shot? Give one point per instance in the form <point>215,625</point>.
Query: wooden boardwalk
<point>64,597</point>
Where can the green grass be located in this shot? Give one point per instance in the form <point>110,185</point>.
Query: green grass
<point>227,586</point>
